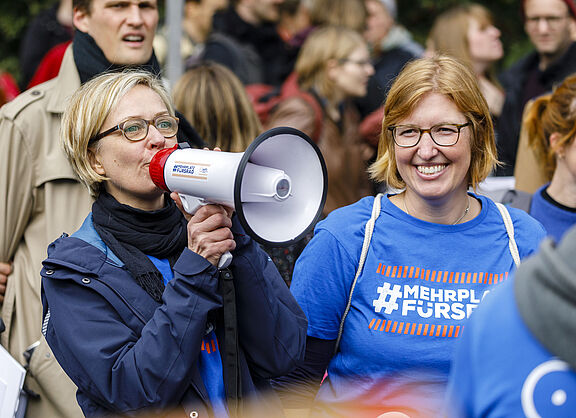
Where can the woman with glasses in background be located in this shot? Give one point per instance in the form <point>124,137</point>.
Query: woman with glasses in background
<point>333,67</point>
<point>436,250</point>
<point>133,301</point>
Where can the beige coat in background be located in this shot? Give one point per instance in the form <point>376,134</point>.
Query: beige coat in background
<point>40,199</point>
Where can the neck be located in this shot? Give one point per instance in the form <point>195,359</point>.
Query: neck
<point>548,59</point>
<point>194,31</point>
<point>562,188</point>
<point>449,212</point>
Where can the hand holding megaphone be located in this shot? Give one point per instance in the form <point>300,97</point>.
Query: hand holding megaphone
<point>209,233</point>
<point>277,186</point>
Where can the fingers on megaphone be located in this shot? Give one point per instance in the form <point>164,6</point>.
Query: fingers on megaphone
<point>209,233</point>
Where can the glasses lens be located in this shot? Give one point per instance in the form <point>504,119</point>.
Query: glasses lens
<point>135,129</point>
<point>166,125</point>
<point>406,135</point>
<point>445,134</point>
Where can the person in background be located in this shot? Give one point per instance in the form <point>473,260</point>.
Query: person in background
<point>51,27</point>
<point>532,314</point>
<point>213,100</point>
<point>551,128</point>
<point>391,47</point>
<point>146,305</point>
<point>40,195</point>
<point>196,30</point>
<point>294,23</point>
<point>550,25</point>
<point>467,32</point>
<point>333,67</point>
<point>259,55</point>
<point>351,14</point>
<point>436,250</point>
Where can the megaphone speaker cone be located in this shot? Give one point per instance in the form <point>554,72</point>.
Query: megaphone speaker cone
<point>277,187</point>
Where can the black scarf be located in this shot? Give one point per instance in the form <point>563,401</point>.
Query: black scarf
<point>132,234</point>
<point>91,61</point>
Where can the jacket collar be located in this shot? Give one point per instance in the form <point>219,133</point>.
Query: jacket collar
<point>67,82</point>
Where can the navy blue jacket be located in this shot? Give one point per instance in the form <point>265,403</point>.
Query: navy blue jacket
<point>127,353</point>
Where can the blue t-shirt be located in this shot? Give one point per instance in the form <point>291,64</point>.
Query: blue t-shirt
<point>419,284</point>
<point>501,370</point>
<point>555,220</point>
<point>210,362</point>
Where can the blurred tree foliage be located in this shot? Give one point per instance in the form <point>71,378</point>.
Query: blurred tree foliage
<point>13,20</point>
<point>416,15</point>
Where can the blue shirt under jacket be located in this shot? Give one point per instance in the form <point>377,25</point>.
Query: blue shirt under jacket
<point>128,353</point>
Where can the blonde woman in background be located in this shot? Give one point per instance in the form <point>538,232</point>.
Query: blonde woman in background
<point>467,32</point>
<point>213,100</point>
<point>334,67</point>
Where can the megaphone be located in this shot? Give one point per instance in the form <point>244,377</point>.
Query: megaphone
<point>277,186</point>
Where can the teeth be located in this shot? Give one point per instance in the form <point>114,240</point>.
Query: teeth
<point>134,38</point>
<point>431,169</point>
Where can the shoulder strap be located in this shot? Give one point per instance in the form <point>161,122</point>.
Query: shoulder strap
<point>365,245</point>
<point>510,230</point>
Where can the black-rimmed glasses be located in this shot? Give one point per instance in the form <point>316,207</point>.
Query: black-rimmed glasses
<point>136,129</point>
<point>443,134</point>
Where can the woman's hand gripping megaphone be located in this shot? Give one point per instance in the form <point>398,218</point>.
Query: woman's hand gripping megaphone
<point>209,233</point>
<point>200,234</point>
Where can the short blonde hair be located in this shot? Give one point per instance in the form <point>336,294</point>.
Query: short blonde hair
<point>448,76</point>
<point>323,45</point>
<point>552,113</point>
<point>215,102</point>
<point>86,112</point>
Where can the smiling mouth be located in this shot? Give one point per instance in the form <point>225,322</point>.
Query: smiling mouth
<point>431,169</point>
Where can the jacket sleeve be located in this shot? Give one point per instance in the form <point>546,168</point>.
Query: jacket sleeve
<point>99,347</point>
<point>272,327</point>
<point>16,186</point>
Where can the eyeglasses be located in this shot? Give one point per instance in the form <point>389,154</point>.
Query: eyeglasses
<point>136,129</point>
<point>443,134</point>
<point>551,21</point>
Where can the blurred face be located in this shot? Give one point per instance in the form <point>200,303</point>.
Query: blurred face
<point>351,75</point>
<point>548,24</point>
<point>123,29</point>
<point>484,42</point>
<point>266,10</point>
<point>126,163</point>
<point>432,172</point>
<point>202,13</point>
<point>378,23</point>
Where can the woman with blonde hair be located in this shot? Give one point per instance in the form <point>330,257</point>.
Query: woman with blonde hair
<point>388,282</point>
<point>135,307</point>
<point>467,32</point>
<point>214,101</point>
<point>333,68</point>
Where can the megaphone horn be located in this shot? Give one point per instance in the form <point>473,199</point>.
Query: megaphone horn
<point>277,186</point>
